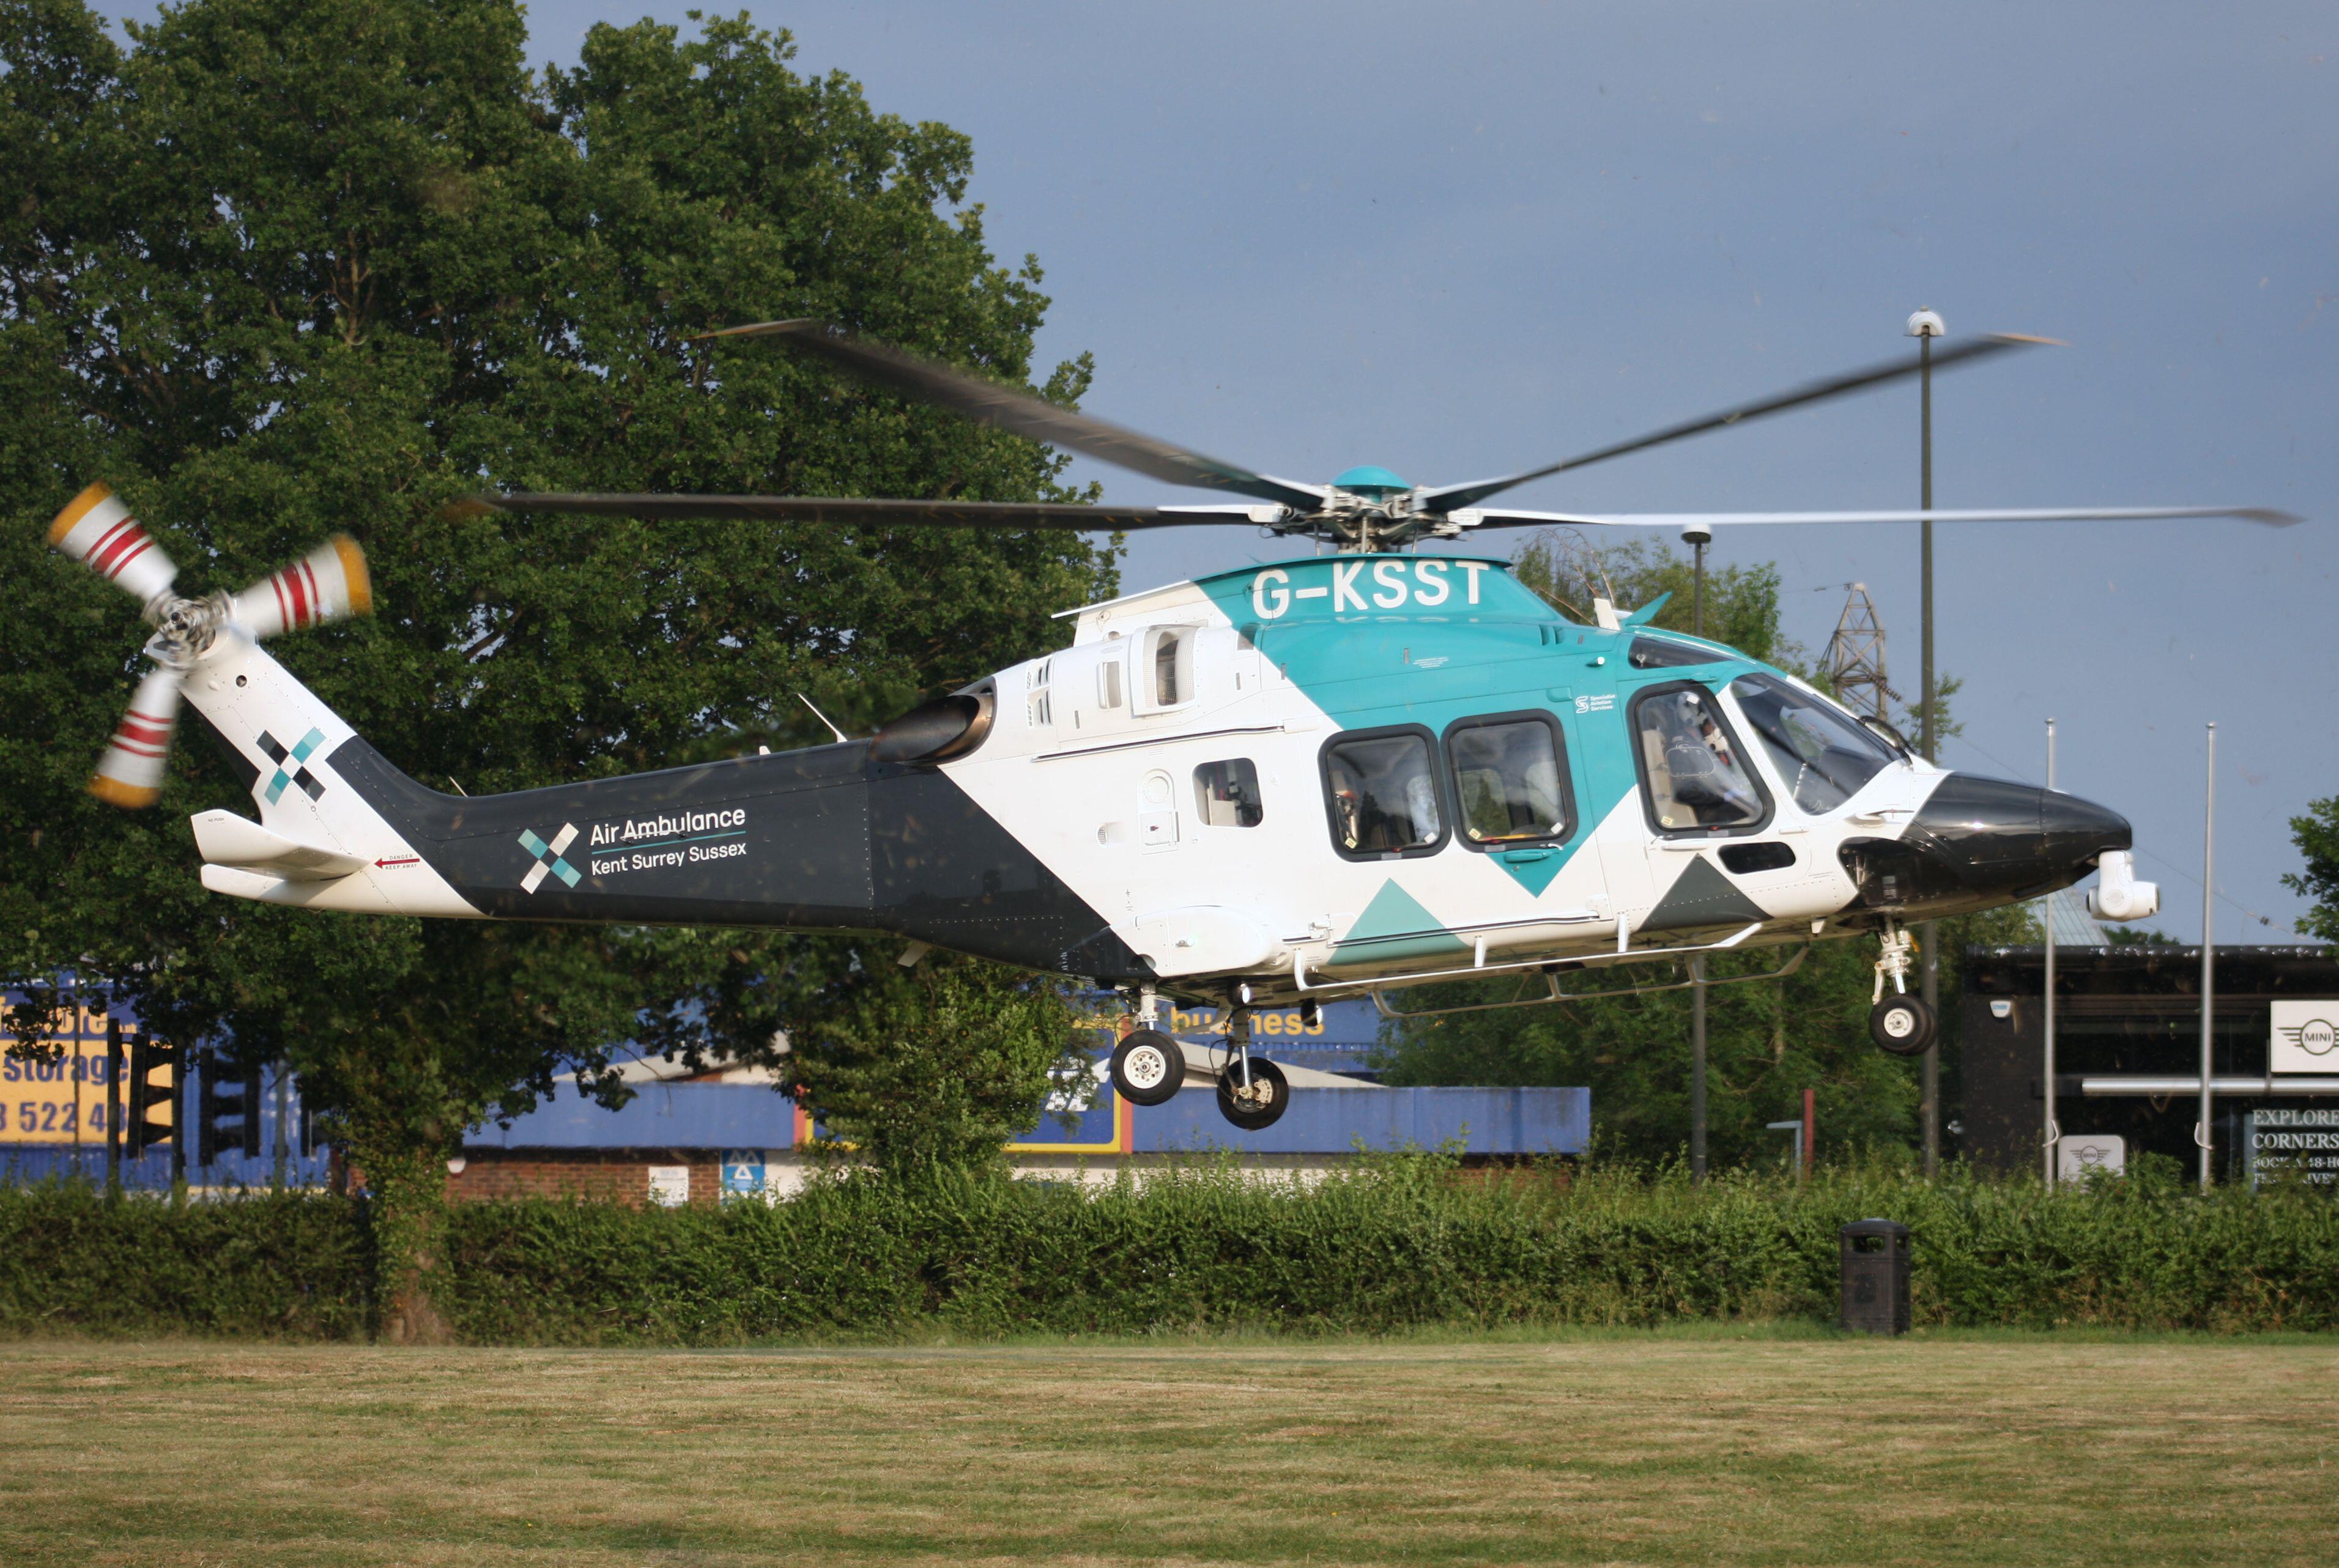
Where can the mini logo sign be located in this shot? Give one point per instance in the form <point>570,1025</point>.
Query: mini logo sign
<point>547,858</point>
<point>2305,1037</point>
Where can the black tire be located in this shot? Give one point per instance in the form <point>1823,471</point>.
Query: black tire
<point>1269,1098</point>
<point>1149,1068</point>
<point>1901,1025</point>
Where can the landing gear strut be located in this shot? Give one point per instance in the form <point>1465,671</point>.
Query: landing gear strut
<point>1148,1067</point>
<point>1901,1024</point>
<point>1253,1093</point>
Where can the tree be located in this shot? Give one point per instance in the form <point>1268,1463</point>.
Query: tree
<point>1766,1042</point>
<point>2316,834</point>
<point>288,266</point>
<point>906,1065</point>
<point>1740,603</point>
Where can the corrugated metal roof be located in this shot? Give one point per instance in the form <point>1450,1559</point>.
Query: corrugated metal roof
<point>2069,919</point>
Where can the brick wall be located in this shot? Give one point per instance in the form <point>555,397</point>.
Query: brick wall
<point>602,1175</point>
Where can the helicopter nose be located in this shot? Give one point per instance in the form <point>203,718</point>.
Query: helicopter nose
<point>1996,836</point>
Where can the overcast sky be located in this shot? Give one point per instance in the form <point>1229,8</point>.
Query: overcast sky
<point>1460,239</point>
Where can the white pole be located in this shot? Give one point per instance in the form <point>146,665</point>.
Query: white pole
<point>2047,912</point>
<point>2208,952</point>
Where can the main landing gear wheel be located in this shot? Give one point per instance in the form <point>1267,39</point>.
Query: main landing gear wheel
<point>1149,1068</point>
<point>1903,1025</point>
<point>1260,1102</point>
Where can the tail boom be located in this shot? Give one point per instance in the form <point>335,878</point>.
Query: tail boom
<point>825,839</point>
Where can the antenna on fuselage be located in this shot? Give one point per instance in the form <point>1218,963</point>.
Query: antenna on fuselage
<point>822,717</point>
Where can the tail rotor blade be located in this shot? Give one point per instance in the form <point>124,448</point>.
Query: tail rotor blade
<point>97,530</point>
<point>328,584</point>
<point>129,773</point>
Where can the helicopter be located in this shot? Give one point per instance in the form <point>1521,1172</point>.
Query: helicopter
<point>1351,773</point>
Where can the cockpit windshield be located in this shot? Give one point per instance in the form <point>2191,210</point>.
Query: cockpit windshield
<point>1823,757</point>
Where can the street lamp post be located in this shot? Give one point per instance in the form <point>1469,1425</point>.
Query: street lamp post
<point>1697,540</point>
<point>1925,326</point>
<point>2201,1134</point>
<point>2054,1133</point>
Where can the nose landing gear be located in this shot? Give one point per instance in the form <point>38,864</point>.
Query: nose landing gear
<point>1901,1024</point>
<point>1253,1093</point>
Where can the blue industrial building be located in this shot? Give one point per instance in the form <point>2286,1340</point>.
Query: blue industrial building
<point>728,1132</point>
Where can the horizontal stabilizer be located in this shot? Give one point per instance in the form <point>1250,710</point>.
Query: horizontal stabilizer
<point>229,840</point>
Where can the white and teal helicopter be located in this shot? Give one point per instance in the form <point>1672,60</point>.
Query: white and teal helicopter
<point>1354,773</point>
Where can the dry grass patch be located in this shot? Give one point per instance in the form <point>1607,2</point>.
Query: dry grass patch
<point>1652,1449</point>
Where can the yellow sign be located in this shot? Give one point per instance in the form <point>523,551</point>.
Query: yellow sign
<point>61,1100</point>
<point>1180,1020</point>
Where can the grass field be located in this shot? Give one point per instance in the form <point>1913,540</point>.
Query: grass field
<point>1715,1447</point>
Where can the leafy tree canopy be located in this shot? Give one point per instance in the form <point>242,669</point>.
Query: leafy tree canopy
<point>283,266</point>
<point>2316,834</point>
<point>1766,1042</point>
<point>1740,603</point>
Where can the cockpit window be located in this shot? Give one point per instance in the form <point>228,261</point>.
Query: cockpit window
<point>1383,795</point>
<point>1691,766</point>
<point>1823,757</point>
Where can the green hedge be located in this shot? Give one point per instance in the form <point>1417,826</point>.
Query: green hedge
<point>286,1266</point>
<point>1392,1245</point>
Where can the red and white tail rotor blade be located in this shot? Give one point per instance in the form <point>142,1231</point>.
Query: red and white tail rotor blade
<point>97,530</point>
<point>129,773</point>
<point>328,584</point>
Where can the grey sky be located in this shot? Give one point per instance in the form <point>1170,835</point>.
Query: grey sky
<point>1460,239</point>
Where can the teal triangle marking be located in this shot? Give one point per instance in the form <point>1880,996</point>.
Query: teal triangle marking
<point>1396,925</point>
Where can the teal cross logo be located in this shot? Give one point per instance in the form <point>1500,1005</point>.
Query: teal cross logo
<point>291,767</point>
<point>547,858</point>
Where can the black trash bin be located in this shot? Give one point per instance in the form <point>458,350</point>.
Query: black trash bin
<point>1875,1286</point>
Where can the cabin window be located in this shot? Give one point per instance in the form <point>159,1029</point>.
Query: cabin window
<point>1823,756</point>
<point>1382,791</point>
<point>1693,773</point>
<point>1109,684</point>
<point>1510,779</point>
<point>1226,794</point>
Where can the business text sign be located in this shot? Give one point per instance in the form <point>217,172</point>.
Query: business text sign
<point>2300,1145</point>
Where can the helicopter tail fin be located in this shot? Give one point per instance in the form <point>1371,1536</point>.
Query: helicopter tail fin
<point>317,843</point>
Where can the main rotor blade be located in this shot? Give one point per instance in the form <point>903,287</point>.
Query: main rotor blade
<point>880,513</point>
<point>129,773</point>
<point>1455,498</point>
<point>1481,518</point>
<point>1019,413</point>
<point>97,530</point>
